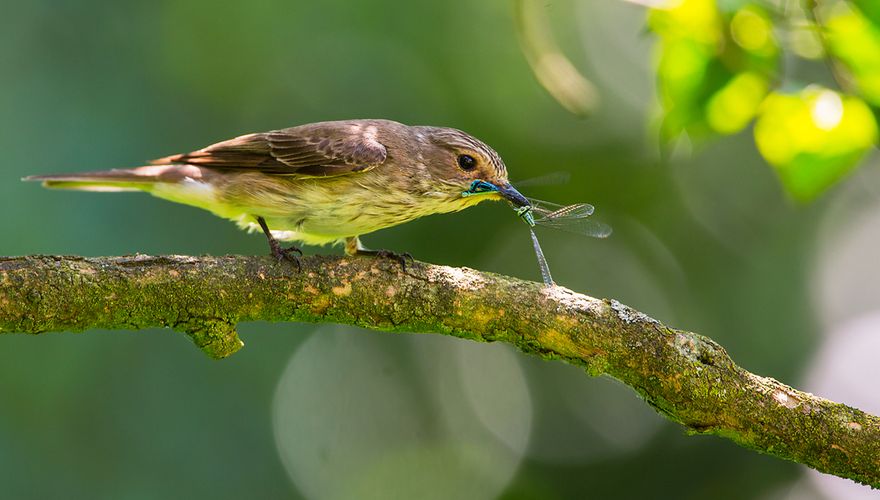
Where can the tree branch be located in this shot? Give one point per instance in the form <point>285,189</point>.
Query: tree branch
<point>688,378</point>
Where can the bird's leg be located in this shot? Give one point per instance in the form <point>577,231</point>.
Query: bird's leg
<point>278,251</point>
<point>353,247</point>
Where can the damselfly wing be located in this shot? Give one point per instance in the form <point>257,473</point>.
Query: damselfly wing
<point>571,218</point>
<point>552,179</point>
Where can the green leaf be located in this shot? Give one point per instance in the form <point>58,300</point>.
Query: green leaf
<point>870,8</point>
<point>733,107</point>
<point>697,20</point>
<point>813,138</point>
<point>714,68</point>
<point>855,41</point>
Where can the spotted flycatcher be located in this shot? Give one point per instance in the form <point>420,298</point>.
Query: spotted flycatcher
<point>319,183</point>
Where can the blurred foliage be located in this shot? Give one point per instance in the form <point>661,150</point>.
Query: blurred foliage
<point>813,137</point>
<point>719,68</point>
<point>855,41</point>
<point>871,9</point>
<point>713,67</point>
<point>707,243</point>
<point>554,71</point>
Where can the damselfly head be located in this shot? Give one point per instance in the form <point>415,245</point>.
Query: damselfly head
<point>525,213</point>
<point>480,187</point>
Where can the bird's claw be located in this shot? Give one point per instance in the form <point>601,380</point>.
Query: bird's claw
<point>401,258</point>
<point>290,254</point>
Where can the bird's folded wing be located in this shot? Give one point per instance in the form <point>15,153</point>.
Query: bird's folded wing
<point>304,151</point>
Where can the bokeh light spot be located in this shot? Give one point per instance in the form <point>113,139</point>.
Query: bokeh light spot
<point>751,30</point>
<point>371,415</point>
<point>846,369</point>
<point>827,110</point>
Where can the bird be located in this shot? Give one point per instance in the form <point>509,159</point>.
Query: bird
<point>320,183</point>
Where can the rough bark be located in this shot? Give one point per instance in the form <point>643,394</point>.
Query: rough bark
<point>688,378</point>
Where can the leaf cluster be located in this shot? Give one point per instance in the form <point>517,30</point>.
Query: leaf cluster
<point>720,69</point>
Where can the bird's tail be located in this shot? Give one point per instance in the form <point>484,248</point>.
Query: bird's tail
<point>127,179</point>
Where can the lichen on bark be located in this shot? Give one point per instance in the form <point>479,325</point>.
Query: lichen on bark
<point>688,378</point>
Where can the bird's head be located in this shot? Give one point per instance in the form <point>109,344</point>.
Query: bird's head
<point>466,170</point>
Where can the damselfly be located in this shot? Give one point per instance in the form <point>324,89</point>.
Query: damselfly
<point>572,218</point>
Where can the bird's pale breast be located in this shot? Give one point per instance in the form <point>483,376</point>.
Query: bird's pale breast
<point>320,210</point>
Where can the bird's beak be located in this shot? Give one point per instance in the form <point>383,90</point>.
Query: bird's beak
<point>515,198</point>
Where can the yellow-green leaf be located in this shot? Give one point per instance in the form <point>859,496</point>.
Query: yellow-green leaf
<point>714,68</point>
<point>751,29</point>
<point>813,138</point>
<point>732,108</point>
<point>697,20</point>
<point>855,41</point>
<point>871,9</point>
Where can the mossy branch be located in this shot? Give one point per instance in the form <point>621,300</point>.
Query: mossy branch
<point>688,378</point>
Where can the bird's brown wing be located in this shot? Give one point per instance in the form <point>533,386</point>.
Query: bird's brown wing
<point>317,150</point>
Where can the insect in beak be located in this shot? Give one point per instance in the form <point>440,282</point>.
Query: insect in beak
<point>520,203</point>
<point>479,187</point>
<point>506,191</point>
<point>541,213</point>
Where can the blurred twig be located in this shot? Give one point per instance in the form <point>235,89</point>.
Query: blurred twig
<point>686,377</point>
<point>837,73</point>
<point>551,67</point>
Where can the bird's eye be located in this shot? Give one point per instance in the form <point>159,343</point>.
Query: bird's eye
<point>467,162</point>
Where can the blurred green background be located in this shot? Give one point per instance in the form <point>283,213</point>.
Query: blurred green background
<point>705,241</point>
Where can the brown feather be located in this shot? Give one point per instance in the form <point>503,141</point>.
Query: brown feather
<point>314,150</point>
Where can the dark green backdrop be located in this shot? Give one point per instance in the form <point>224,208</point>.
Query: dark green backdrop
<point>705,242</point>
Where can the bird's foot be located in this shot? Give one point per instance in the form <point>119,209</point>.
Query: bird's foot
<point>278,251</point>
<point>401,258</point>
<point>289,254</point>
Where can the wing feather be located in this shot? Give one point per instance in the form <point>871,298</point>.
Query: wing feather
<point>315,150</point>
